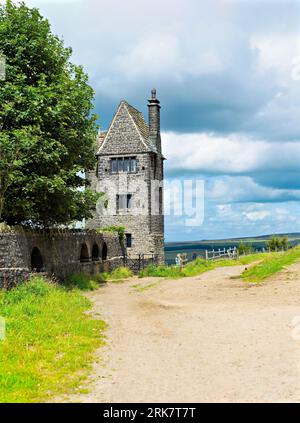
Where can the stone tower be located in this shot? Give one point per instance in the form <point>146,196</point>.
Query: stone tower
<point>130,172</point>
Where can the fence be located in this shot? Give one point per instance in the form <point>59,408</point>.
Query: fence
<point>231,253</point>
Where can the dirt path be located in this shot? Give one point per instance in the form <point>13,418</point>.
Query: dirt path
<point>207,338</point>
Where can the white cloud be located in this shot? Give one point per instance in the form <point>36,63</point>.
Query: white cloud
<point>234,154</point>
<point>257,215</point>
<point>152,56</point>
<point>227,189</point>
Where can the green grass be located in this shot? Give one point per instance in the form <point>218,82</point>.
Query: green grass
<point>87,282</point>
<point>50,341</point>
<point>272,264</point>
<point>84,282</point>
<point>196,267</point>
<point>118,275</point>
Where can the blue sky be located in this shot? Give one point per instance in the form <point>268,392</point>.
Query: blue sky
<point>227,74</point>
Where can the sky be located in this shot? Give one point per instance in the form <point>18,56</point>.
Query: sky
<point>227,73</point>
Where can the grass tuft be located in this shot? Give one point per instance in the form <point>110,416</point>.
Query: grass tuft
<point>118,274</point>
<point>84,282</point>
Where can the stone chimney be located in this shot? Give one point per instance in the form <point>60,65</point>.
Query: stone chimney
<point>154,121</point>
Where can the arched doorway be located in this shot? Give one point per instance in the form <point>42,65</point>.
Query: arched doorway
<point>95,253</point>
<point>36,260</point>
<point>84,254</point>
<point>104,251</point>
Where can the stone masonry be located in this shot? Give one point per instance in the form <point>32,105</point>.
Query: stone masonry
<point>130,171</point>
<point>57,253</point>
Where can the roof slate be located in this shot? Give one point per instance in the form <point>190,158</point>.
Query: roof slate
<point>140,123</point>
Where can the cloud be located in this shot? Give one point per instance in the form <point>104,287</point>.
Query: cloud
<point>257,215</point>
<point>228,189</point>
<point>233,154</point>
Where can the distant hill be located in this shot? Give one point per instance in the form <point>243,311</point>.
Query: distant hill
<point>292,236</point>
<point>198,247</point>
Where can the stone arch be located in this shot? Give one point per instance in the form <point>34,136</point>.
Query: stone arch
<point>37,262</point>
<point>104,251</point>
<point>84,253</point>
<point>95,252</point>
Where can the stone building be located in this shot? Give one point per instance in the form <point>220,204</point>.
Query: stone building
<point>130,171</point>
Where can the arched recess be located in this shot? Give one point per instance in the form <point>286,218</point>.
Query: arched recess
<point>84,254</point>
<point>95,253</point>
<point>37,263</point>
<point>104,251</point>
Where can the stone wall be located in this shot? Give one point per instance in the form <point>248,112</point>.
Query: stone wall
<point>59,254</point>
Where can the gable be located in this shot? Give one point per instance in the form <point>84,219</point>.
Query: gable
<point>127,134</point>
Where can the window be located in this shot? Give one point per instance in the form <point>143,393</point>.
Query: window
<point>128,240</point>
<point>123,164</point>
<point>126,164</point>
<point>133,165</point>
<point>124,201</point>
<point>160,200</point>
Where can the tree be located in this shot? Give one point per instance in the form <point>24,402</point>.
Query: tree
<point>278,243</point>
<point>47,130</point>
<point>244,249</point>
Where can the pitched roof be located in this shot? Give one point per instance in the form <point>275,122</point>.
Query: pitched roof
<point>139,120</point>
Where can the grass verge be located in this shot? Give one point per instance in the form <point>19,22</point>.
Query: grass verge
<point>195,267</point>
<point>272,264</point>
<point>50,341</point>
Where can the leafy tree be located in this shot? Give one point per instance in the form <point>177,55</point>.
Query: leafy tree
<point>245,248</point>
<point>47,131</point>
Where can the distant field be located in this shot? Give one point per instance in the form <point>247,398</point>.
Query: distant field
<point>258,243</point>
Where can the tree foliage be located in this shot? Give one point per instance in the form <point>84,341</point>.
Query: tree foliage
<point>277,243</point>
<point>245,248</point>
<point>47,131</point>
